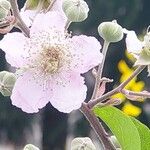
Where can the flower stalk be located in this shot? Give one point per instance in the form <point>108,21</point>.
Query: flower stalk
<point>100,70</point>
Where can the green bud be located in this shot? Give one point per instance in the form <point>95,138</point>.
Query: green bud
<point>110,31</point>
<point>75,10</point>
<point>3,13</point>
<point>30,147</point>
<point>6,4</point>
<point>4,8</point>
<point>82,144</point>
<point>7,81</point>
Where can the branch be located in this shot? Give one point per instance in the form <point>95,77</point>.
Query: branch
<point>20,22</point>
<point>97,126</point>
<point>140,94</point>
<point>92,103</point>
<point>135,95</point>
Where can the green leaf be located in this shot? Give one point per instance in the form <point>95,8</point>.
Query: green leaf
<point>121,126</point>
<point>144,133</point>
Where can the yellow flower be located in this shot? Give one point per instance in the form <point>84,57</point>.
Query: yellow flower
<point>139,86</point>
<point>131,109</point>
<point>119,96</point>
<point>133,85</point>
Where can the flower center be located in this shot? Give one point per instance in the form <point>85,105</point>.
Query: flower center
<point>50,60</point>
<point>49,53</point>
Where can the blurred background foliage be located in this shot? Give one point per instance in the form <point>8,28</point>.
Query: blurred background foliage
<point>131,14</point>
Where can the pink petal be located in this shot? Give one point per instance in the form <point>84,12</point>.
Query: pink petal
<point>57,6</point>
<point>29,95</point>
<point>13,45</point>
<point>28,16</point>
<point>134,45</point>
<point>69,94</point>
<point>86,53</point>
<point>44,22</point>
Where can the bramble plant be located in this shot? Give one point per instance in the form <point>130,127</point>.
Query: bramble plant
<point>49,61</point>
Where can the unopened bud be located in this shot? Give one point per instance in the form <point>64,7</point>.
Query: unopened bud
<point>7,81</point>
<point>75,10</point>
<point>82,144</point>
<point>30,147</point>
<point>110,31</point>
<point>4,8</point>
<point>7,24</point>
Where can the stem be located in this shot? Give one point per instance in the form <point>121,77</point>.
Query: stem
<point>92,103</point>
<point>20,22</point>
<point>97,127</point>
<point>100,70</point>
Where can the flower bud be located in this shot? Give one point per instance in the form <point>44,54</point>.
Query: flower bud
<point>82,144</point>
<point>30,147</point>
<point>75,10</point>
<point>7,24</point>
<point>7,81</point>
<point>110,31</point>
<point>4,8</point>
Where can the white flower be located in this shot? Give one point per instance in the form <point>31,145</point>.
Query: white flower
<point>51,62</point>
<point>134,45</point>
